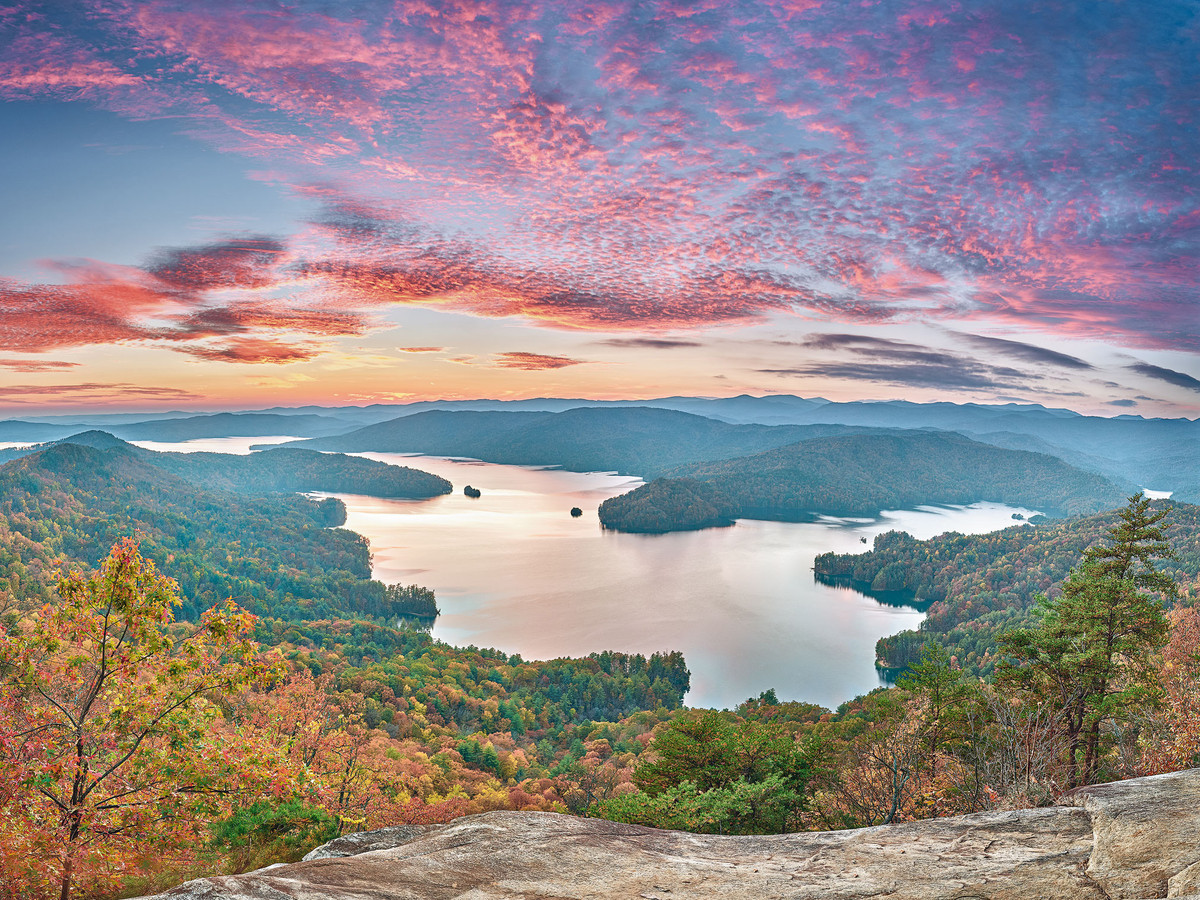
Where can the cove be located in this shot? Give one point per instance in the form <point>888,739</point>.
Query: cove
<point>513,570</point>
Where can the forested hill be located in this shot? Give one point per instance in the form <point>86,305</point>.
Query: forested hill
<point>294,470</point>
<point>630,440</point>
<point>370,722</point>
<point>68,504</point>
<point>980,585</point>
<point>1142,452</point>
<point>858,474</point>
<point>277,470</point>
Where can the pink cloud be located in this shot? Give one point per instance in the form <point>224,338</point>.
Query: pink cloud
<point>251,350</point>
<point>89,394</point>
<point>36,365</point>
<point>614,166</point>
<point>534,361</point>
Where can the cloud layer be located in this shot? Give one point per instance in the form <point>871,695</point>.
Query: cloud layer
<point>630,166</point>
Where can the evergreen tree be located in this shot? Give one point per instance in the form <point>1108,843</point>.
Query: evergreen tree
<point>945,694</point>
<point>1090,653</point>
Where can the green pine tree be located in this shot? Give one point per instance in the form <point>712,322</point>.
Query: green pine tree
<point>1090,653</point>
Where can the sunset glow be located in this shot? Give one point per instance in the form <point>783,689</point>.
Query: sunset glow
<point>249,205</point>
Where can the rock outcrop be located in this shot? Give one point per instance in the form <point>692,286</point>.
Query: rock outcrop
<point>1130,839</point>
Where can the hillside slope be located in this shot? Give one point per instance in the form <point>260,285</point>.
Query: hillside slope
<point>275,470</point>
<point>629,440</point>
<point>979,585</point>
<point>276,555</point>
<point>852,475</point>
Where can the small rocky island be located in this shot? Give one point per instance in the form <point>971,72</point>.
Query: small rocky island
<point>1129,839</point>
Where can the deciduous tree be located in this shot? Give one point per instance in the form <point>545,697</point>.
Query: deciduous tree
<point>1176,745</point>
<point>105,715</point>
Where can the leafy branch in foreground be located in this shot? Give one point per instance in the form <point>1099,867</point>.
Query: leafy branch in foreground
<point>104,724</point>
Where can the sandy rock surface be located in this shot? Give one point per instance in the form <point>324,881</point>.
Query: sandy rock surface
<point>1132,839</point>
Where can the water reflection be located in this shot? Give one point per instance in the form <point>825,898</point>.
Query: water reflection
<point>236,445</point>
<point>512,569</point>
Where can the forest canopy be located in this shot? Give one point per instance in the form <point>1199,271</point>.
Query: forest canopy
<point>861,474</point>
<point>977,586</point>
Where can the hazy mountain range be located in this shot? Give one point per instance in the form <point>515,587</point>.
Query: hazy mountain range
<point>1159,454</point>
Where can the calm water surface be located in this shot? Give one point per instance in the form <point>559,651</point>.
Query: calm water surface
<point>513,570</point>
<point>237,445</point>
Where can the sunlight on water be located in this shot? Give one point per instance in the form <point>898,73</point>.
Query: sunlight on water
<point>513,570</point>
<point>237,445</point>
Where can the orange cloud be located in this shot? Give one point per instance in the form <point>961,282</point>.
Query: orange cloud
<point>89,393</point>
<point>534,361</point>
<point>36,365</point>
<point>252,350</point>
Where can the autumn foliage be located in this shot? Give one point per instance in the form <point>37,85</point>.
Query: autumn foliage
<point>107,723</point>
<point>137,750</point>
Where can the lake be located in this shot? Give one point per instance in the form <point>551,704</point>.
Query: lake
<point>513,570</point>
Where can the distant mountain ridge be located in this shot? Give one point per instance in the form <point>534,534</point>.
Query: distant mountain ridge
<point>640,441</point>
<point>230,425</point>
<point>1154,453</point>
<point>1159,454</point>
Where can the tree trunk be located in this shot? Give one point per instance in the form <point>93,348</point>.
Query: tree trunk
<point>1091,759</point>
<point>65,892</point>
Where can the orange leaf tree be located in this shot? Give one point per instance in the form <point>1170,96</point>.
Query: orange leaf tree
<point>106,715</point>
<point>311,739</point>
<point>1176,745</point>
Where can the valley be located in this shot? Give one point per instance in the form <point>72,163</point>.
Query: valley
<point>618,579</point>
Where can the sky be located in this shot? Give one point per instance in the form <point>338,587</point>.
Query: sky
<point>235,205</point>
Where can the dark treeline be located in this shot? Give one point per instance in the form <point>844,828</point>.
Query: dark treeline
<point>857,475</point>
<point>977,586</point>
<point>411,600</point>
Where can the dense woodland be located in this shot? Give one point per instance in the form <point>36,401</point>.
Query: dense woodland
<point>194,680</point>
<point>977,586</point>
<point>1129,450</point>
<point>860,474</point>
<point>275,470</point>
<point>69,503</point>
<point>634,440</point>
<point>289,471</point>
